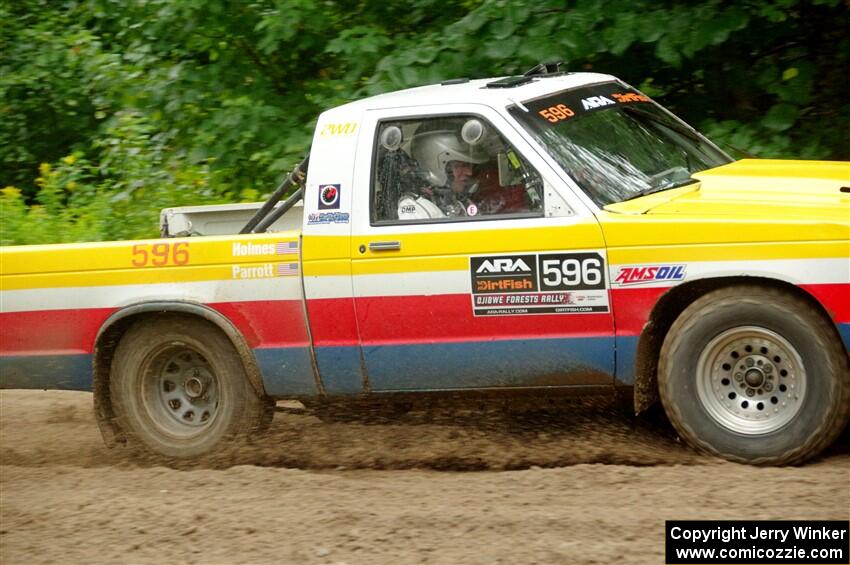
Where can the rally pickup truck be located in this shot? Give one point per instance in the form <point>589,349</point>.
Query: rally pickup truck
<point>532,236</point>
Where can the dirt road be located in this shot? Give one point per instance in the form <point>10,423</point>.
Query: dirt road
<point>589,487</point>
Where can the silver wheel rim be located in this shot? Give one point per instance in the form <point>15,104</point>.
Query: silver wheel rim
<point>180,391</point>
<point>751,380</point>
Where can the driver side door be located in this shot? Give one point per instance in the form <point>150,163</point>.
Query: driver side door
<point>513,297</point>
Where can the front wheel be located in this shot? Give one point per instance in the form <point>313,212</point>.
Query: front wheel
<point>179,390</point>
<point>754,375</point>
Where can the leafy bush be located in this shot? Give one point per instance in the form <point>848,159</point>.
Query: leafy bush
<point>117,197</point>
<point>142,104</point>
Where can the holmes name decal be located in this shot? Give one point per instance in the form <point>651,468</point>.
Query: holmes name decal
<point>250,249</point>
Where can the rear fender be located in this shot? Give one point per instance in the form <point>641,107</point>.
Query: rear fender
<point>114,327</point>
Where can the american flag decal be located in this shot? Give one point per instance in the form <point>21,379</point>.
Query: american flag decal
<point>287,269</point>
<point>286,247</point>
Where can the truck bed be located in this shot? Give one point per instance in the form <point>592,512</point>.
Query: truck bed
<point>221,219</point>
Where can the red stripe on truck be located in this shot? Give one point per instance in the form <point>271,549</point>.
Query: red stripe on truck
<point>448,317</point>
<point>51,332</point>
<point>632,306</point>
<point>382,320</point>
<point>273,323</point>
<point>834,297</point>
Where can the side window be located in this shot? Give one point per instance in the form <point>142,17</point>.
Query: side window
<point>444,168</point>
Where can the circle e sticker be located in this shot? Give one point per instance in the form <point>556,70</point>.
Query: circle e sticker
<point>472,210</point>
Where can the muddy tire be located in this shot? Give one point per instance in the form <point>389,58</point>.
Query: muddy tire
<point>179,391</point>
<point>755,375</point>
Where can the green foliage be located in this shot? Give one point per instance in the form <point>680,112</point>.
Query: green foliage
<point>167,102</point>
<point>119,197</point>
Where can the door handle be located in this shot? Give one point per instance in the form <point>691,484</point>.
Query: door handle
<point>385,246</point>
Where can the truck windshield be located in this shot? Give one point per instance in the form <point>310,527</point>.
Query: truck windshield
<point>615,142</point>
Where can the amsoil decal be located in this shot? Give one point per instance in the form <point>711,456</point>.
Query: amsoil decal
<point>329,196</point>
<point>649,274</point>
<point>546,283</point>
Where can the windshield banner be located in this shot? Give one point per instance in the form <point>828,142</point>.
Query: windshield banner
<point>571,104</point>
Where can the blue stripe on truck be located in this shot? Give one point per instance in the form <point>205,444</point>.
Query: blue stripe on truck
<point>409,367</point>
<point>464,365</point>
<point>844,330</point>
<point>286,371</point>
<point>68,372</point>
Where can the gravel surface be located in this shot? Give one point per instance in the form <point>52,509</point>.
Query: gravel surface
<point>590,486</point>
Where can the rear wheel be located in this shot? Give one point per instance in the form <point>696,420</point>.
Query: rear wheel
<point>179,390</point>
<point>755,375</point>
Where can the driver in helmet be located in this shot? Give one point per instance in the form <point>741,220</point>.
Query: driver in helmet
<point>448,164</point>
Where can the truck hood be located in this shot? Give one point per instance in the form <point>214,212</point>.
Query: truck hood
<point>813,190</point>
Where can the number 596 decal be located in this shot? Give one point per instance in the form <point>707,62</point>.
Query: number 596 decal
<point>545,283</point>
<point>571,271</point>
<point>160,254</point>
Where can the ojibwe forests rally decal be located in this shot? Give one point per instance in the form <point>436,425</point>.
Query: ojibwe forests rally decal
<point>545,283</point>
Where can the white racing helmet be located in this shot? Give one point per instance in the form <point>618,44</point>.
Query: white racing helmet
<point>435,149</point>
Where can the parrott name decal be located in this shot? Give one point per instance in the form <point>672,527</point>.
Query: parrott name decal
<point>546,283</point>
<point>264,270</point>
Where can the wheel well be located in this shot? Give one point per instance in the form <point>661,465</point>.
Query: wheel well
<point>665,312</point>
<point>117,325</point>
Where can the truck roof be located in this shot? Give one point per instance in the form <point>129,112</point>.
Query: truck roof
<point>465,91</point>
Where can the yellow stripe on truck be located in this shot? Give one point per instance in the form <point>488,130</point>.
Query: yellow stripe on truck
<point>102,256</point>
<point>212,258</point>
<point>483,241</point>
<point>625,230</point>
<point>628,244</point>
<point>729,252</point>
